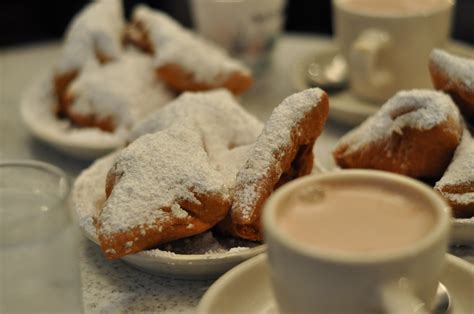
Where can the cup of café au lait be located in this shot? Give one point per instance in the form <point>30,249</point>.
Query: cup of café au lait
<point>387,42</point>
<point>355,241</point>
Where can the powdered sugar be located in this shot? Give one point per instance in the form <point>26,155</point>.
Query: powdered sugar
<point>183,152</point>
<point>125,89</point>
<point>157,171</point>
<point>222,122</point>
<point>457,68</point>
<point>37,108</point>
<point>96,29</point>
<point>176,45</point>
<point>88,193</point>
<point>274,139</point>
<point>417,109</point>
<point>88,196</point>
<point>460,199</point>
<point>461,169</point>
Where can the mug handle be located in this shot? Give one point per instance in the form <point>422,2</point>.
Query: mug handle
<point>398,297</point>
<point>365,52</point>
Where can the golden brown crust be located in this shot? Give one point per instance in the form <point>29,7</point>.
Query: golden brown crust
<point>460,93</point>
<point>180,80</point>
<point>451,194</point>
<point>136,34</point>
<point>414,153</point>
<point>292,161</point>
<point>61,83</point>
<point>203,215</point>
<point>106,124</point>
<point>175,76</point>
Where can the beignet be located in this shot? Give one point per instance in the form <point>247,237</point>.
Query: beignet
<point>457,183</point>
<point>415,133</point>
<point>454,75</point>
<point>182,59</point>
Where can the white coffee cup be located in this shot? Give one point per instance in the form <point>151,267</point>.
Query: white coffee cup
<point>386,50</point>
<point>308,279</point>
<point>247,29</point>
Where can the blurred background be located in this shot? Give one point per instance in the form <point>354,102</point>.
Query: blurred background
<point>29,21</point>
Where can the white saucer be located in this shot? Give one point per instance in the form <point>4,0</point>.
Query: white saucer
<point>89,191</point>
<point>37,113</point>
<point>247,288</point>
<point>344,106</point>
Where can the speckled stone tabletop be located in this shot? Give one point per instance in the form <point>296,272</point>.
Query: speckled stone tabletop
<point>115,287</point>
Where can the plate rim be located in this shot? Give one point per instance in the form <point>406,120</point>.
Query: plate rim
<point>213,292</point>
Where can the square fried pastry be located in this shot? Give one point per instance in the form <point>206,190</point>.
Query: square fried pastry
<point>185,61</point>
<point>114,96</point>
<point>282,152</point>
<point>415,133</point>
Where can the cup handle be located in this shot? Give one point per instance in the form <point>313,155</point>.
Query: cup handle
<point>364,54</point>
<point>398,297</point>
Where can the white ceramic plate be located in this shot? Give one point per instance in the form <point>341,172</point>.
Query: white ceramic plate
<point>344,106</point>
<point>247,288</point>
<point>88,192</point>
<point>37,113</point>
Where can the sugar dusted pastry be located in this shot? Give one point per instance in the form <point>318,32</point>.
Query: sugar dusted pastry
<point>414,133</point>
<point>176,179</point>
<point>282,152</point>
<point>95,33</point>
<point>227,130</point>
<point>457,183</point>
<point>182,59</point>
<point>115,95</point>
<point>162,187</point>
<point>455,76</point>
<point>217,113</point>
<point>179,178</point>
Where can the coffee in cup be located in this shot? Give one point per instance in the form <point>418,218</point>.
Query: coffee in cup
<point>355,241</point>
<point>360,218</point>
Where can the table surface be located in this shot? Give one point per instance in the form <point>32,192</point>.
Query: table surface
<point>114,286</point>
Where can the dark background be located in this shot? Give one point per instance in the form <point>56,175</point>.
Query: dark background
<point>27,21</point>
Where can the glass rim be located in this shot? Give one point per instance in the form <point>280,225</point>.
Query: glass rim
<point>65,185</point>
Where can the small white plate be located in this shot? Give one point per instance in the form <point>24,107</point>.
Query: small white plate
<point>344,106</point>
<point>37,113</point>
<point>89,191</point>
<point>247,288</point>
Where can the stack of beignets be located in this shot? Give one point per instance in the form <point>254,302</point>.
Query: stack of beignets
<point>103,81</point>
<point>116,94</point>
<point>183,60</point>
<point>178,178</point>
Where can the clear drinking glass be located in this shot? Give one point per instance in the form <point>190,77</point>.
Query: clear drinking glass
<point>39,265</point>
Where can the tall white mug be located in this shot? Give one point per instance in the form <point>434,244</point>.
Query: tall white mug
<point>387,42</point>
